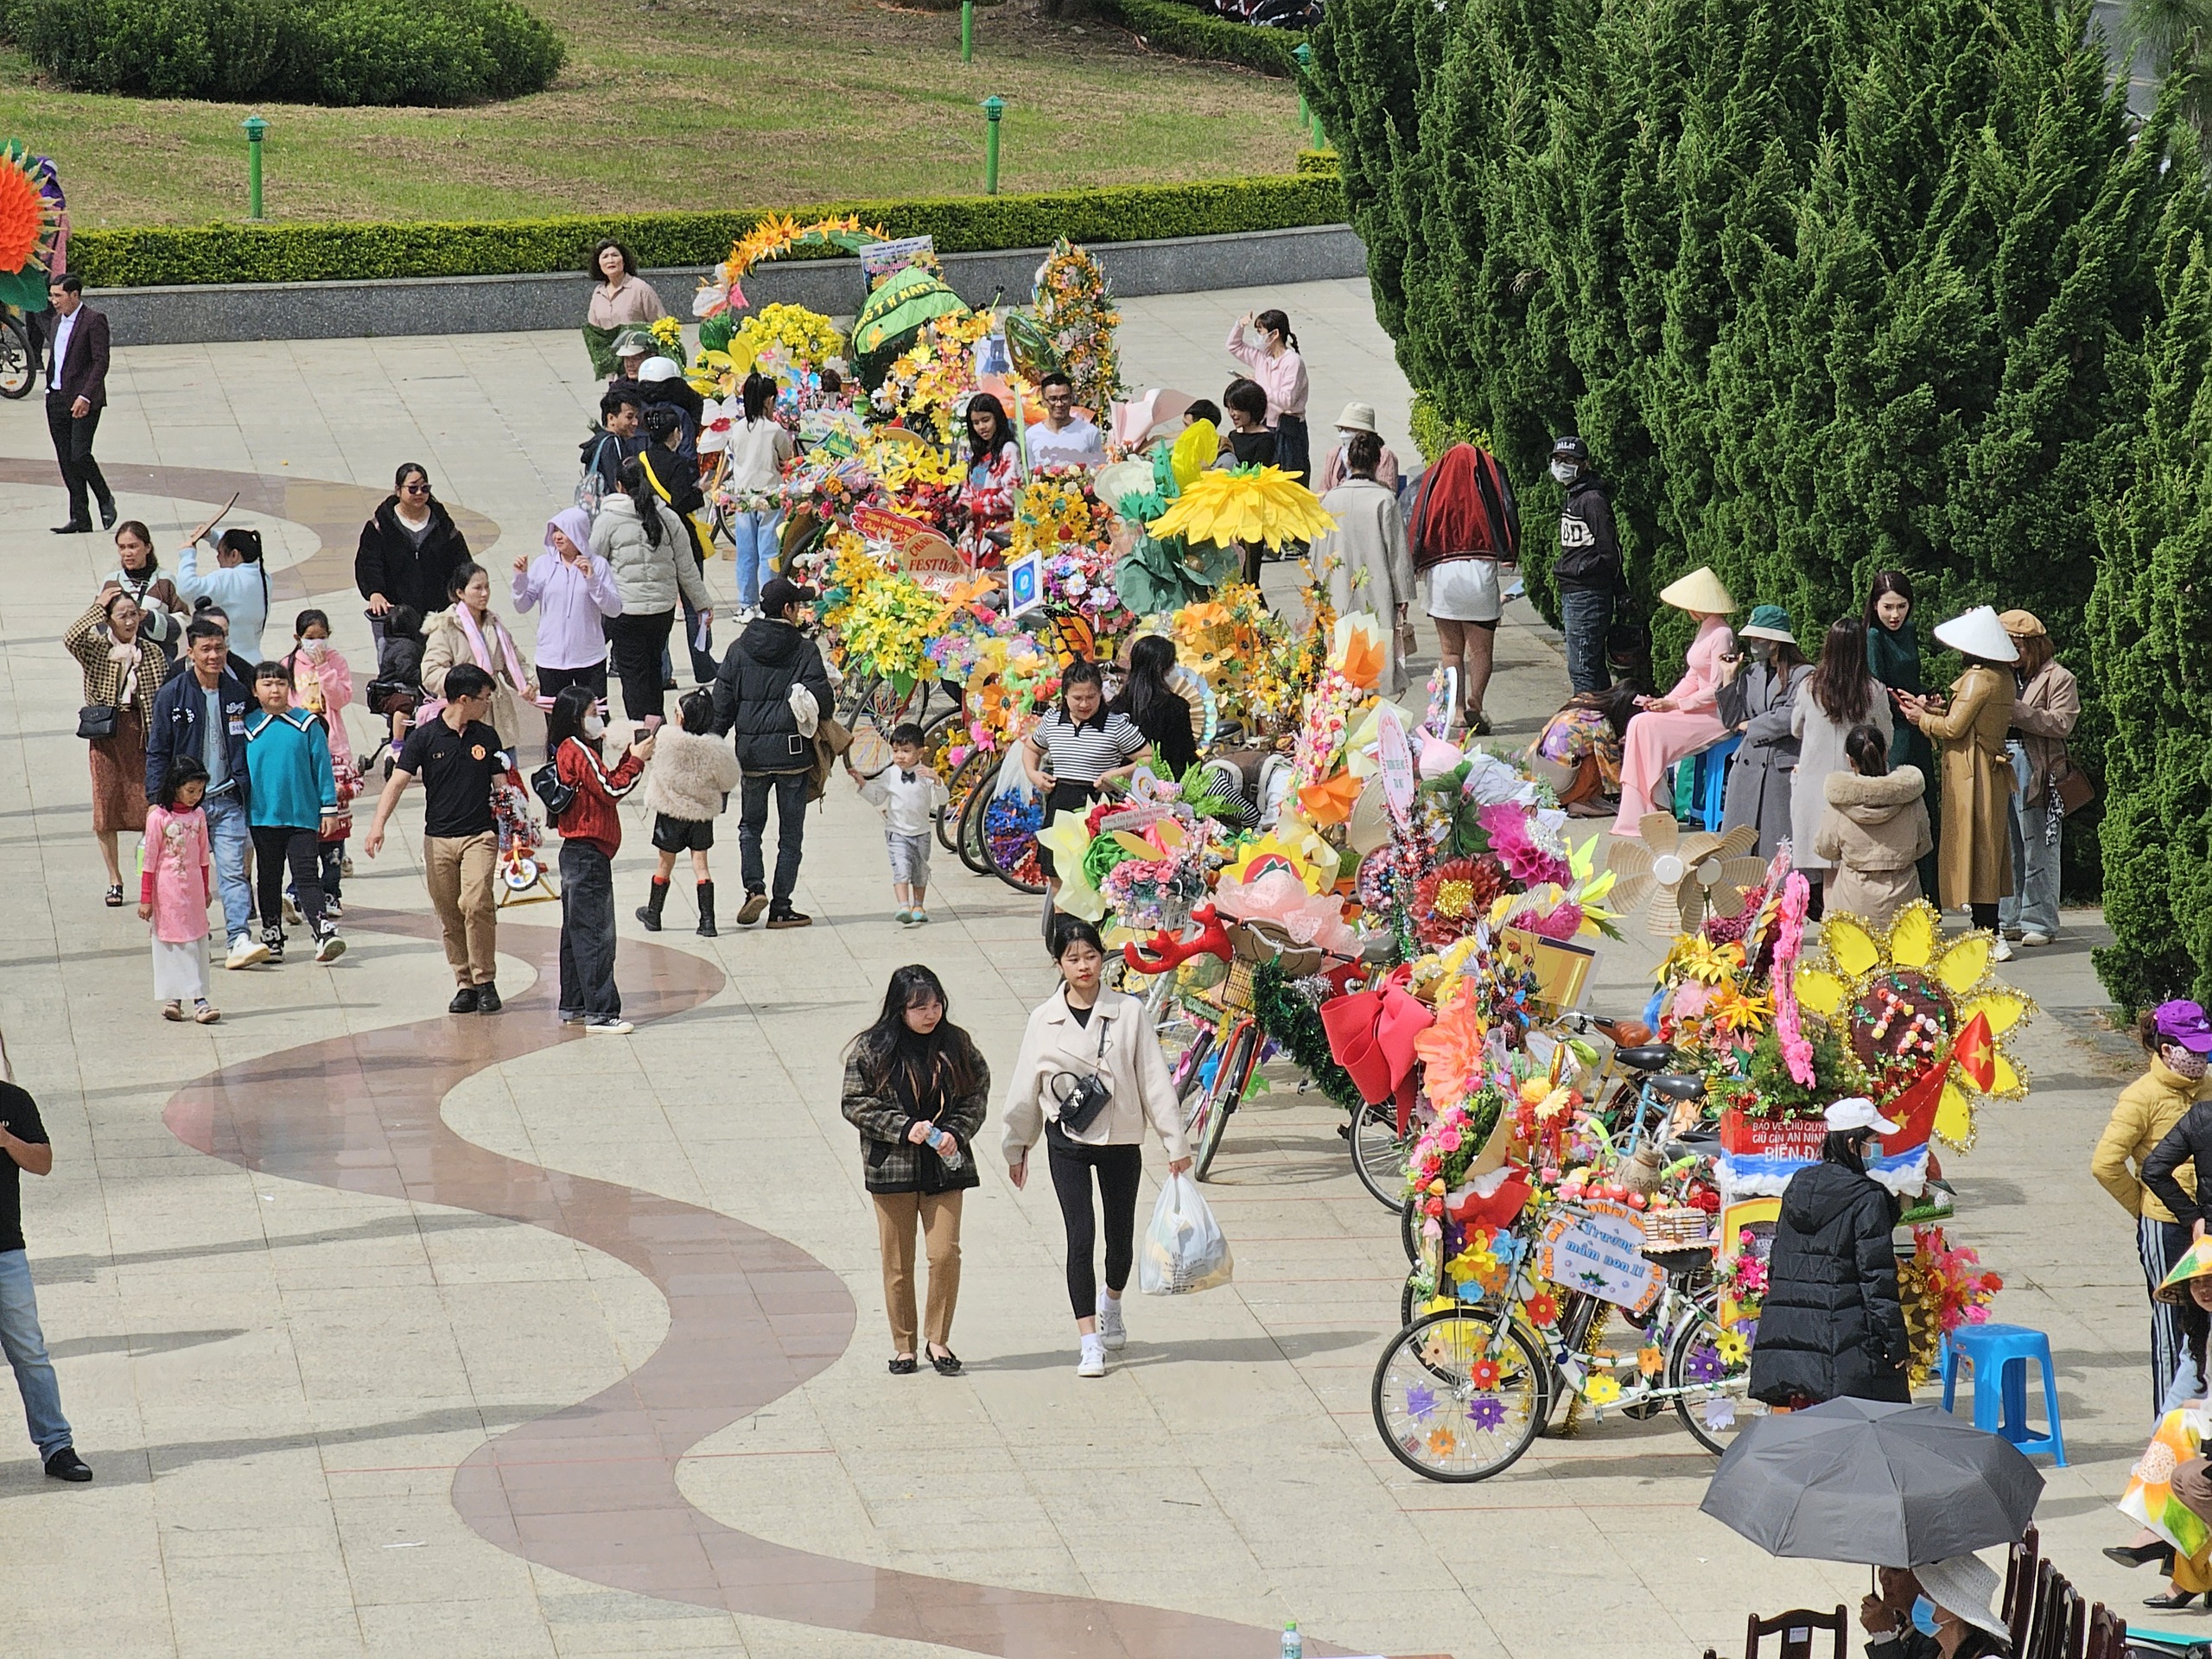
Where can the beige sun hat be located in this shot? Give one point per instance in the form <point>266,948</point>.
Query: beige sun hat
<point>1979,633</point>
<point>1358,417</point>
<point>1700,591</point>
<point>2022,624</point>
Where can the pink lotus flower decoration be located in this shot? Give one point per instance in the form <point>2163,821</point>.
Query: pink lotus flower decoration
<point>1513,844</point>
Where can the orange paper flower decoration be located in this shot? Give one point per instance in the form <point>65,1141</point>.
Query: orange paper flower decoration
<point>23,217</point>
<point>1332,802</point>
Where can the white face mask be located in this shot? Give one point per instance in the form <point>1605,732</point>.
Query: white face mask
<point>1564,471</point>
<point>595,727</point>
<point>314,647</point>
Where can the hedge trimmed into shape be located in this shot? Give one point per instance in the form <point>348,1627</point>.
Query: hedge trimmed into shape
<point>1184,31</point>
<point>317,253</point>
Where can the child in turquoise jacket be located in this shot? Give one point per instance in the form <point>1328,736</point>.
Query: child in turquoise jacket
<point>292,789</point>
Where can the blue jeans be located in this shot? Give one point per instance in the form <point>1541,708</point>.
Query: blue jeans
<point>1586,616</point>
<point>2033,905</point>
<point>755,535</point>
<point>228,837</point>
<point>25,1344</point>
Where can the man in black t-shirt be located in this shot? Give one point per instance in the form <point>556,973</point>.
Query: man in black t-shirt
<point>458,757</point>
<point>22,1139</point>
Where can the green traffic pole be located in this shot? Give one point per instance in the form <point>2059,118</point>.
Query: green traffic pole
<point>255,128</point>
<point>994,108</point>
<point>967,31</point>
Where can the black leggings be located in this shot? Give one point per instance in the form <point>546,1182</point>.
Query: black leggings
<point>638,643</point>
<point>275,846</point>
<point>1120,1169</point>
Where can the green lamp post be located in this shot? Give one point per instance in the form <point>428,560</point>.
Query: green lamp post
<point>993,111</point>
<point>967,31</point>
<point>1304,54</point>
<point>255,128</point>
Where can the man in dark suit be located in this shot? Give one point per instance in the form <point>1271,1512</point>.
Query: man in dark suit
<point>76,391</point>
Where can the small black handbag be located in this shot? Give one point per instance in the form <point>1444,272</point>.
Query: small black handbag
<point>96,721</point>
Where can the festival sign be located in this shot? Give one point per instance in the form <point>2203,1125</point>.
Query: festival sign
<point>1598,1248</point>
<point>1396,757</point>
<point>921,551</point>
<point>881,259</point>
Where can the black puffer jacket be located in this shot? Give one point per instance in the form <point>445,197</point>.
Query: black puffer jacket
<point>753,696</point>
<point>386,561</point>
<point>1833,1324</point>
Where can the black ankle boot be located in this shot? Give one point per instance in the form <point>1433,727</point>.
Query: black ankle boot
<point>707,911</point>
<point>649,913</point>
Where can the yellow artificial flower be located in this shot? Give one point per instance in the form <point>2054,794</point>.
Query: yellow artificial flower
<point>1244,504</point>
<point>1601,1390</point>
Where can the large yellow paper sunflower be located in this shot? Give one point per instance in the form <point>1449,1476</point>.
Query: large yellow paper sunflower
<point>1244,504</point>
<point>1906,996</point>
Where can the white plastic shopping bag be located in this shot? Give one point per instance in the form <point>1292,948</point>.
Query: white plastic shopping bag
<point>1183,1250</point>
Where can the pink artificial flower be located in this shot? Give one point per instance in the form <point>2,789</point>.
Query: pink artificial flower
<point>1511,845</point>
<point>1789,936</point>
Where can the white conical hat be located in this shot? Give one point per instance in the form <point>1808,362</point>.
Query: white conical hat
<point>1979,633</point>
<point>1700,591</point>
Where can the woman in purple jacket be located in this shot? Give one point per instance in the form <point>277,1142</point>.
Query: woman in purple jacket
<point>573,593</point>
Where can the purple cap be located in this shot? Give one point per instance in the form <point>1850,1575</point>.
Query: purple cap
<point>2184,1022</point>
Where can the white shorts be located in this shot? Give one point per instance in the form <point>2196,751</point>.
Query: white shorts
<point>1466,590</point>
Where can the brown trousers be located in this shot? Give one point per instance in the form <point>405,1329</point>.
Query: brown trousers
<point>458,870</point>
<point>939,1215</point>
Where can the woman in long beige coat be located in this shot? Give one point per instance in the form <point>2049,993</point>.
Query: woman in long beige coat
<point>1974,867</point>
<point>1365,560</point>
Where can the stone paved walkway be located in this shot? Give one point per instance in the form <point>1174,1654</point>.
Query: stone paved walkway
<point>283,1377</point>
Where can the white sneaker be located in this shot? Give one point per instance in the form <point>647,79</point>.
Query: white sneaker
<point>608,1025</point>
<point>329,947</point>
<point>2004,950</point>
<point>292,917</point>
<point>2031,940</point>
<point>245,950</point>
<point>1112,1333</point>
<point>1093,1363</point>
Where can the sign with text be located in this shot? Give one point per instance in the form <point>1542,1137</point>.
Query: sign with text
<point>1598,1248</point>
<point>1395,756</point>
<point>921,551</point>
<point>882,259</point>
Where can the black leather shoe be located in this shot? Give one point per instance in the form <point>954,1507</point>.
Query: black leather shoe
<point>66,1465</point>
<point>905,1365</point>
<point>464,1000</point>
<point>2172,1602</point>
<point>946,1364</point>
<point>70,529</point>
<point>487,998</point>
<point>2139,1554</point>
<point>107,515</point>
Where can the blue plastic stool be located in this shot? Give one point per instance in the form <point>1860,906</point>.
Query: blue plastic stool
<point>2006,1349</point>
<point>1713,779</point>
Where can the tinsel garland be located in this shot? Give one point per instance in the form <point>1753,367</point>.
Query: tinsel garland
<point>1292,1018</point>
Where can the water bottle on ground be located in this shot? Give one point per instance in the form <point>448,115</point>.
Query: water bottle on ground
<point>1293,1645</point>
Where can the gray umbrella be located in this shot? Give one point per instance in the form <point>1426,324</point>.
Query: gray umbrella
<point>1862,1480</point>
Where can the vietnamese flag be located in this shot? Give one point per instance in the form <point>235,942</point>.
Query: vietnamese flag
<point>1975,1050</point>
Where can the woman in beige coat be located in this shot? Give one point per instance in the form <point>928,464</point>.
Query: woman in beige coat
<point>1364,560</point>
<point>1874,831</point>
<point>1086,1032</point>
<point>1974,870</point>
<point>468,633</point>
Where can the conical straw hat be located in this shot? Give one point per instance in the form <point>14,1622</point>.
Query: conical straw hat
<point>1700,591</point>
<point>1979,633</point>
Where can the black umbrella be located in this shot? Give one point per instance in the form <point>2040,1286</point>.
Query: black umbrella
<point>1861,1480</point>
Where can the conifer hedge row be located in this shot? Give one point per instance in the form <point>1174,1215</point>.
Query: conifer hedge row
<point>1832,287</point>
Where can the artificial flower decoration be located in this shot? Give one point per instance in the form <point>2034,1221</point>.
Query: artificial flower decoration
<point>1454,1048</point>
<point>1923,1017</point>
<point>27,228</point>
<point>1451,901</point>
<point>1649,1362</point>
<point>1270,852</point>
<point>1244,504</point>
<point>1442,1443</point>
<point>1067,838</point>
<point>1543,1308</point>
<point>1486,1414</point>
<point>1076,314</point>
<point>1731,1347</point>
<point>1483,1374</point>
<point>1601,1390</point>
<point>1533,850</point>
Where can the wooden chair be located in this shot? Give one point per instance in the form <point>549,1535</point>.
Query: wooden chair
<point>2020,1587</point>
<point>1797,1627</point>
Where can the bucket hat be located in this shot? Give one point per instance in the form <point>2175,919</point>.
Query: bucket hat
<point>1358,417</point>
<point>1962,1585</point>
<point>1768,622</point>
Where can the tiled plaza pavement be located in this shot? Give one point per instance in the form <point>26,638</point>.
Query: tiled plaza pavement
<point>279,1359</point>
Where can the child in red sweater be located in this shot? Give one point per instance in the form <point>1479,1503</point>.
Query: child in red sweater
<point>591,834</point>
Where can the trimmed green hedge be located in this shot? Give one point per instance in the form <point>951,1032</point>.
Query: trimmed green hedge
<point>1327,163</point>
<point>333,52</point>
<point>315,253</point>
<point>1188,32</point>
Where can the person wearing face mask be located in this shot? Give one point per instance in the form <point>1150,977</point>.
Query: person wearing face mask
<point>1756,705</point>
<point>591,834</point>
<point>322,683</point>
<point>1938,1611</point>
<point>2176,1038</point>
<point>1834,1323</point>
<point>1587,571</point>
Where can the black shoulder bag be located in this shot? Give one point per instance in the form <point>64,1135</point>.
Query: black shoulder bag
<point>1081,1097</point>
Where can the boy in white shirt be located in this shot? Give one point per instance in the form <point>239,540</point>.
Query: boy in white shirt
<point>908,794</point>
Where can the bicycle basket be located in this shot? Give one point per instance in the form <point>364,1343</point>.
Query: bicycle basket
<point>1257,942</point>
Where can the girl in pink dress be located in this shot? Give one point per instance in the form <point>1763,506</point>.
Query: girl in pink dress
<point>1688,718</point>
<point>175,883</point>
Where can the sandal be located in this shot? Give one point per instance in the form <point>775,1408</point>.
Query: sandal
<point>905,1365</point>
<point>205,1013</point>
<point>172,1010</point>
<point>946,1364</point>
<point>115,896</point>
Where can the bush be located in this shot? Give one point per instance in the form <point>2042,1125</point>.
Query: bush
<point>312,253</point>
<point>382,52</point>
<point>1187,32</point>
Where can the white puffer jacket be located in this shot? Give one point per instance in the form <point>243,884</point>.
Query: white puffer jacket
<point>648,577</point>
<point>689,776</point>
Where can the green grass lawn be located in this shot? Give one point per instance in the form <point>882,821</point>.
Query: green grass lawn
<point>688,104</point>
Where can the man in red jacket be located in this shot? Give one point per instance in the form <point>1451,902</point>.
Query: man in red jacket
<point>76,393</point>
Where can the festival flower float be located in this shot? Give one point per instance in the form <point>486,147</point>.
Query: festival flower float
<point>28,221</point>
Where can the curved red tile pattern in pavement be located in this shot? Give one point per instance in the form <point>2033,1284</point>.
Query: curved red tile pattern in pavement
<point>592,1490</point>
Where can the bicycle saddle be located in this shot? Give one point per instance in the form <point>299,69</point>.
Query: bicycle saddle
<point>1650,1058</point>
<point>1698,1140</point>
<point>1676,1085</point>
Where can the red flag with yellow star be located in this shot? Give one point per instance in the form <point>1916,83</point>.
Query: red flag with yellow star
<point>1975,1050</point>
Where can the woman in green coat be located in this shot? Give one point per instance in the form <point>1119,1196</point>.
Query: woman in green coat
<point>1893,659</point>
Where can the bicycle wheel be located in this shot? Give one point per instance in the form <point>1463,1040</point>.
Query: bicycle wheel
<point>1713,1367</point>
<point>965,780</point>
<point>16,371</point>
<point>1378,1157</point>
<point>969,842</point>
<point>1192,1098</point>
<point>853,696</point>
<point>1229,1081</point>
<point>1409,1224</point>
<point>1459,1396</point>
